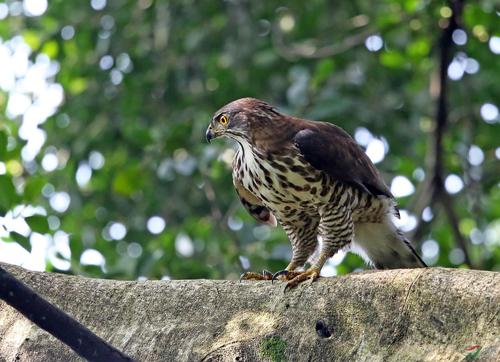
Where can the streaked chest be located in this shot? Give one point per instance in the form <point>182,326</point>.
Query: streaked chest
<point>279,179</point>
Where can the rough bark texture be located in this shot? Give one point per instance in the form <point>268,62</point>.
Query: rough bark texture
<point>398,315</point>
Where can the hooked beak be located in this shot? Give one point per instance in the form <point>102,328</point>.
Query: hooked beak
<point>210,134</point>
<point>213,132</point>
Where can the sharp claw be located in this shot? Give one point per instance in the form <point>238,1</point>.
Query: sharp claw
<point>242,276</point>
<point>267,274</point>
<point>278,274</point>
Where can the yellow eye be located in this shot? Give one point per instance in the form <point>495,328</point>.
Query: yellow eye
<point>223,120</point>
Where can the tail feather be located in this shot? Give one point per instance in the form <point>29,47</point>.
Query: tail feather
<point>384,246</point>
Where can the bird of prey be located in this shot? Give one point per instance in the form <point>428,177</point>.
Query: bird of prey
<point>315,181</point>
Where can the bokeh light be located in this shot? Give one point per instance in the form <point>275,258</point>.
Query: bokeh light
<point>374,43</point>
<point>92,257</point>
<point>98,4</point>
<point>117,231</point>
<point>83,174</point>
<point>430,251</point>
<point>489,112</point>
<point>453,184</point>
<point>184,245</point>
<point>60,201</point>
<point>401,186</point>
<point>494,44</point>
<point>376,150</point>
<point>475,155</point>
<point>35,7</point>
<point>156,224</point>
<point>459,37</point>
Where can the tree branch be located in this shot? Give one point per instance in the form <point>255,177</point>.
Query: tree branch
<point>447,203</point>
<point>303,50</point>
<point>400,315</point>
<point>440,192</point>
<point>434,183</point>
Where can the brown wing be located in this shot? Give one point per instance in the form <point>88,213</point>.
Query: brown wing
<point>253,205</point>
<point>329,148</point>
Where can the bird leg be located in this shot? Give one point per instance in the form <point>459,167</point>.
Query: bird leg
<point>312,272</point>
<point>336,232</point>
<point>266,275</point>
<point>304,241</point>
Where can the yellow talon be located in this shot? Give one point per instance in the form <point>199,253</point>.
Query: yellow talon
<point>311,273</point>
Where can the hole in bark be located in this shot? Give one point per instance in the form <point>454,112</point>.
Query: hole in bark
<point>322,329</point>
<point>287,305</point>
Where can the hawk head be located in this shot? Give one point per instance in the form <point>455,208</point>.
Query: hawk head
<point>240,118</point>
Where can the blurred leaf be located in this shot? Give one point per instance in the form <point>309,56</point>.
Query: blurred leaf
<point>138,135</point>
<point>51,49</point>
<point>38,223</point>
<point>323,70</point>
<point>77,86</point>
<point>33,188</point>
<point>8,194</point>
<point>21,240</point>
<point>32,38</point>
<point>392,59</point>
<point>3,144</point>
<point>128,181</point>
<point>419,48</point>
<point>412,5</point>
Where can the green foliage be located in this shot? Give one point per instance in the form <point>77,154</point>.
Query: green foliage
<point>8,196</point>
<point>38,223</point>
<point>142,79</point>
<point>273,348</point>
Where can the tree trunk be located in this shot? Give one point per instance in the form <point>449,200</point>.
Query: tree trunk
<point>397,315</point>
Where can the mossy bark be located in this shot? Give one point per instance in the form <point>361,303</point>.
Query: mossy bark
<point>398,315</point>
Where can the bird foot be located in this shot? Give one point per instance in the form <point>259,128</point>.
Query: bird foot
<point>284,275</point>
<point>295,278</point>
<point>266,275</point>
